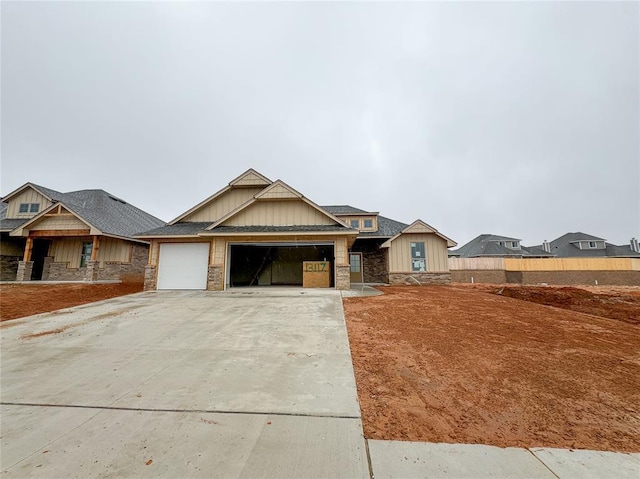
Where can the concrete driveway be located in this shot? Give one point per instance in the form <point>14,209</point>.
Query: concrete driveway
<point>249,383</point>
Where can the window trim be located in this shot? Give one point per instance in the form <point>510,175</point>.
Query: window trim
<point>417,257</point>
<point>85,256</point>
<point>355,220</point>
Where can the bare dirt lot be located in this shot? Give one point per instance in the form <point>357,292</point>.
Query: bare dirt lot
<point>19,300</point>
<point>464,364</point>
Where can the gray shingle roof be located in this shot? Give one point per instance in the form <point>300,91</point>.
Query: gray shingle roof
<point>279,229</point>
<point>343,210</point>
<point>386,228</point>
<point>104,211</point>
<point>10,225</point>
<point>178,229</point>
<point>565,247</point>
<point>486,245</point>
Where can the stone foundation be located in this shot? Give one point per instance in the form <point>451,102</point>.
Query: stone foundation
<point>60,272</point>
<point>215,278</point>
<point>343,277</point>
<point>25,268</point>
<point>419,278</point>
<point>150,278</point>
<point>46,267</point>
<point>9,267</point>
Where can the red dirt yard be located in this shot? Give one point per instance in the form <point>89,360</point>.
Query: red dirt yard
<point>19,300</point>
<point>460,364</point>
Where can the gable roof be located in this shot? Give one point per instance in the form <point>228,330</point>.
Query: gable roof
<point>250,178</point>
<point>98,208</point>
<point>487,245</point>
<point>347,210</point>
<point>280,186</point>
<point>565,247</point>
<point>412,227</point>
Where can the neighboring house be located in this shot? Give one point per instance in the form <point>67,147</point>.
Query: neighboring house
<point>582,245</point>
<point>260,232</point>
<point>488,245</point>
<point>81,235</point>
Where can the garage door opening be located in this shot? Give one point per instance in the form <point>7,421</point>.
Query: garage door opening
<point>274,265</point>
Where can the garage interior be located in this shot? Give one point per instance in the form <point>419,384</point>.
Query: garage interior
<point>274,264</point>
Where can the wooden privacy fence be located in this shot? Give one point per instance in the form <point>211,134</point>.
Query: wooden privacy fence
<point>545,264</point>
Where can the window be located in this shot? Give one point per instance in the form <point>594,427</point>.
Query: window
<point>418,260</point>
<point>592,244</point>
<point>368,224</point>
<point>87,248</point>
<point>354,262</point>
<point>29,208</point>
<point>355,224</point>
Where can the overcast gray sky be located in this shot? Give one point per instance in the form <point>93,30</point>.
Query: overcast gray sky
<point>512,118</point>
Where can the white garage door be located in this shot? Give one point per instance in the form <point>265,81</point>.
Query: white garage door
<point>183,266</point>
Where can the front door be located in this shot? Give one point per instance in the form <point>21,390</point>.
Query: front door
<point>355,262</point>
<point>38,254</point>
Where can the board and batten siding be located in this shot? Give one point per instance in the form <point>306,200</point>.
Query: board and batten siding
<point>279,213</point>
<point>27,196</point>
<point>62,222</point>
<point>435,251</point>
<point>69,250</point>
<point>222,205</point>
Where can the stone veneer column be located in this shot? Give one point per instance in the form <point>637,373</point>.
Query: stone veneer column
<point>150,278</point>
<point>343,277</point>
<point>25,269</point>
<point>46,268</point>
<point>215,277</point>
<point>92,270</point>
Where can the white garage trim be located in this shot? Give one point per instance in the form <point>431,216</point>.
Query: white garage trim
<point>183,265</point>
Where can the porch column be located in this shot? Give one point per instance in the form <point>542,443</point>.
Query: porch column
<point>93,265</point>
<point>28,249</point>
<point>95,248</point>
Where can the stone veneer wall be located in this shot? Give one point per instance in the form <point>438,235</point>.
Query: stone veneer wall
<point>150,277</point>
<point>9,267</point>
<point>215,278</point>
<point>375,262</point>
<point>343,277</point>
<point>25,268</point>
<point>414,278</point>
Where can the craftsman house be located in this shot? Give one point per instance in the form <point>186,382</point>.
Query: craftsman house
<point>494,246</point>
<point>81,235</point>
<point>255,231</point>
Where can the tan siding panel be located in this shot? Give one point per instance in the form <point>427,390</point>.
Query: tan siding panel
<point>419,228</point>
<point>222,205</point>
<point>114,250</point>
<point>279,213</point>
<point>279,192</point>
<point>63,222</point>
<point>435,250</point>
<point>67,250</point>
<point>27,196</point>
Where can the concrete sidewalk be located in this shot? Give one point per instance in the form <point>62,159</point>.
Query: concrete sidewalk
<point>183,384</point>
<point>409,460</point>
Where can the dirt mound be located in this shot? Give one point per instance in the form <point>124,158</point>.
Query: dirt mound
<point>461,365</point>
<point>622,307</point>
<point>19,300</point>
